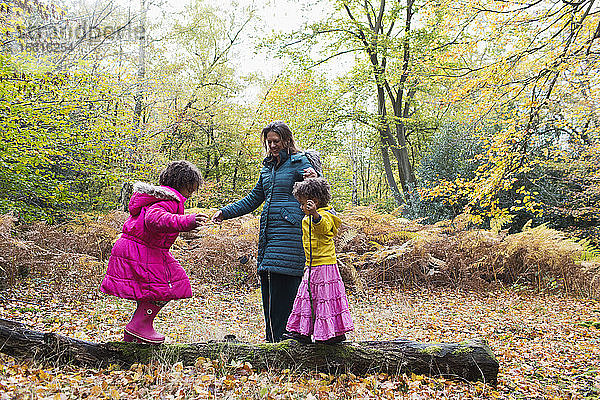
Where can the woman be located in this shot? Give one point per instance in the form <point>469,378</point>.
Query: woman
<point>280,253</point>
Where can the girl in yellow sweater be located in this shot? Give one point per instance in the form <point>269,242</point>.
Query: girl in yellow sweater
<point>321,307</point>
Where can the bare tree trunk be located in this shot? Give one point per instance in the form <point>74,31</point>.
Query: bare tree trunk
<point>139,95</point>
<point>137,111</point>
<point>354,156</point>
<point>387,142</point>
<point>367,187</point>
<point>213,144</point>
<point>378,60</point>
<point>405,169</point>
<point>389,175</point>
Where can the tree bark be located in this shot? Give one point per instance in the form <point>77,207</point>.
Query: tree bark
<point>471,360</point>
<point>139,95</point>
<point>405,168</point>
<point>387,142</point>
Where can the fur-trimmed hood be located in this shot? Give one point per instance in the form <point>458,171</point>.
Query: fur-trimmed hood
<point>160,192</point>
<point>145,194</point>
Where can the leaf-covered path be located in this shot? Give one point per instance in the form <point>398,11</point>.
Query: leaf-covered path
<point>547,346</point>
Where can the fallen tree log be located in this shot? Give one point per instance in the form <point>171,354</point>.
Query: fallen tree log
<point>471,360</point>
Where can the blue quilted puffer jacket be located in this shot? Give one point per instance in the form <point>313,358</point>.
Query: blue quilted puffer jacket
<point>280,238</point>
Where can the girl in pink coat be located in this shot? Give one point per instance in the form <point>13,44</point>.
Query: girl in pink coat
<point>140,266</point>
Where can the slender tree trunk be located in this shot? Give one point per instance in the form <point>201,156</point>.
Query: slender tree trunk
<point>355,198</point>
<point>216,151</point>
<point>405,169</point>
<point>389,175</point>
<point>137,112</point>
<point>139,95</point>
<point>234,180</point>
<point>367,187</point>
<point>208,150</point>
<point>363,178</point>
<point>377,52</point>
<point>386,143</point>
<point>354,156</point>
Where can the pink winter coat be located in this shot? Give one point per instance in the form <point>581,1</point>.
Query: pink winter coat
<point>140,266</point>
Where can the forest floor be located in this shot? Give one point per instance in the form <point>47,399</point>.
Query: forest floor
<point>548,346</point>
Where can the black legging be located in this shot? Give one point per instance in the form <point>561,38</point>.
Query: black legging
<point>278,294</point>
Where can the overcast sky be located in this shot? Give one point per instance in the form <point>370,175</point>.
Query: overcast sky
<point>273,16</point>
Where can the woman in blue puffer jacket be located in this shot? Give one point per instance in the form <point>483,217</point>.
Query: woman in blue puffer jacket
<point>280,253</point>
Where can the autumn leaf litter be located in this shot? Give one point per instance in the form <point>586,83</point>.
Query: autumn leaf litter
<point>545,344</point>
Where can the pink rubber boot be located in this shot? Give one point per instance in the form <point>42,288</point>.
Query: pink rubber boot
<point>140,329</point>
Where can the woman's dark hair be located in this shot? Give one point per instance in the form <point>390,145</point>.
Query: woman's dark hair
<point>313,188</point>
<point>284,132</point>
<point>181,175</point>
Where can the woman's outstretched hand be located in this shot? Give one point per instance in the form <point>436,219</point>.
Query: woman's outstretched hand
<point>217,217</point>
<point>310,173</point>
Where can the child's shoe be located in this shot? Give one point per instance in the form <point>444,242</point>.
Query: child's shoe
<point>297,337</point>
<point>141,324</point>
<point>334,340</point>
<point>128,337</point>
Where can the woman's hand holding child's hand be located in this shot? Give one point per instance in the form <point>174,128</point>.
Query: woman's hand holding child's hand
<point>201,219</point>
<point>217,217</point>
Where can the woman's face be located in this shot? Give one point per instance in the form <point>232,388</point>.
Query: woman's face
<point>274,143</point>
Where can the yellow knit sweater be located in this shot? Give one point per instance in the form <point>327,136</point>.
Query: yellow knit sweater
<point>321,235</point>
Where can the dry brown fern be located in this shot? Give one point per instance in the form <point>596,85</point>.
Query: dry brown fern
<point>546,258</point>
<point>542,258</point>
<point>93,235</point>
<point>224,253</point>
<point>372,249</point>
<point>362,227</point>
<point>21,257</point>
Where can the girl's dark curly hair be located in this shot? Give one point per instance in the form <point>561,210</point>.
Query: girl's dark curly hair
<point>284,132</point>
<point>181,175</point>
<point>314,189</point>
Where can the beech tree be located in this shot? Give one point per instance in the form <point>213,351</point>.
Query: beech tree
<point>530,97</point>
<point>396,57</point>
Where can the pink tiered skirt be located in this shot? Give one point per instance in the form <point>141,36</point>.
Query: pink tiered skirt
<point>332,314</point>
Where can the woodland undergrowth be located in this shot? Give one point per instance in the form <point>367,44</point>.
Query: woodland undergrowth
<point>373,249</point>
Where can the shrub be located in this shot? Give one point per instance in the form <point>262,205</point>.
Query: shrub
<point>451,155</point>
